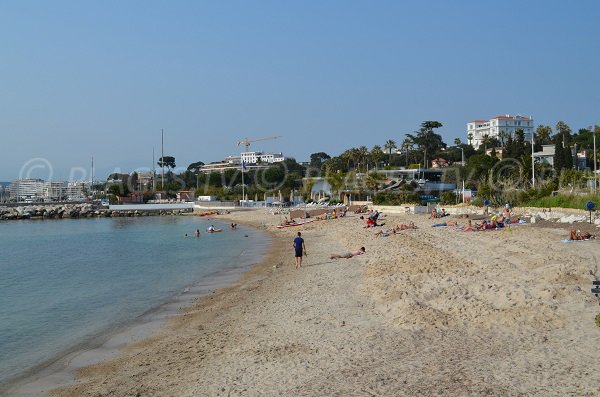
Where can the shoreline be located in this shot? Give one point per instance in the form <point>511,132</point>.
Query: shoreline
<point>59,371</point>
<point>431,311</point>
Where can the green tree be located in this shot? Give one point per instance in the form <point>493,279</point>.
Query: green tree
<point>317,159</point>
<point>563,129</point>
<point>194,167</point>
<point>479,165</point>
<point>389,145</point>
<point>166,161</point>
<point>427,140</point>
<point>543,133</point>
<point>363,155</point>
<point>407,145</point>
<point>562,156</point>
<point>133,181</point>
<point>118,189</point>
<point>486,142</point>
<point>377,155</point>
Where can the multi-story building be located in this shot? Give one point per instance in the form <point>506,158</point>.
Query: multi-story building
<point>499,127</point>
<point>28,190</point>
<point>54,191</point>
<point>76,191</point>
<point>37,190</point>
<point>260,157</point>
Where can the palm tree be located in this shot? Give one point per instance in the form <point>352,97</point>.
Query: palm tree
<point>486,141</point>
<point>354,155</point>
<point>407,144</point>
<point>363,155</point>
<point>457,142</point>
<point>390,145</point>
<point>543,132</point>
<point>377,155</point>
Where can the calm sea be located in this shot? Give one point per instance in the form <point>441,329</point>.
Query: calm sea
<point>65,282</point>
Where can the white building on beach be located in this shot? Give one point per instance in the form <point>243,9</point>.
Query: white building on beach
<point>500,127</point>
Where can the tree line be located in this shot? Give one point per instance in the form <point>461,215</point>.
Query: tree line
<point>416,150</point>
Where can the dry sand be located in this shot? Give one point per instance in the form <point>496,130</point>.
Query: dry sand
<point>427,312</point>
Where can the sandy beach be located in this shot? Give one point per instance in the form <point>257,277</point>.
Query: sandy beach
<point>431,311</point>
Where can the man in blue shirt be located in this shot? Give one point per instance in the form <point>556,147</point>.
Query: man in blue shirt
<point>299,248</point>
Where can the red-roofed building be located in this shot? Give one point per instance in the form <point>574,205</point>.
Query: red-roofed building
<point>500,127</point>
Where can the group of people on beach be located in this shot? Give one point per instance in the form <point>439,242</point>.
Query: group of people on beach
<point>496,221</point>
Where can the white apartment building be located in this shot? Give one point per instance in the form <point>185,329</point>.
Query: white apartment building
<point>76,191</point>
<point>26,189</point>
<point>498,127</point>
<point>37,190</point>
<point>54,191</point>
<point>256,157</point>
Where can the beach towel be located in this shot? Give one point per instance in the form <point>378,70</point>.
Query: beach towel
<point>573,241</point>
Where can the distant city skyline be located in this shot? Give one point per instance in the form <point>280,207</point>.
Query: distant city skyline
<point>101,79</point>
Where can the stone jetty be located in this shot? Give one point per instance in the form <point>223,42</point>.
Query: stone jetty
<point>71,211</point>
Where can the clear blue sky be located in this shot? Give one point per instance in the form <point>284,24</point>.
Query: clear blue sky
<point>101,78</point>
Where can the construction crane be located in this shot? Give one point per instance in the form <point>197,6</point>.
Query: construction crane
<point>246,142</point>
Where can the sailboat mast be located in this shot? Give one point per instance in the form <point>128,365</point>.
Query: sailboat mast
<point>162,159</point>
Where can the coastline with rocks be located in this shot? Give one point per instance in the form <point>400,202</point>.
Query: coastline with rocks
<point>74,211</point>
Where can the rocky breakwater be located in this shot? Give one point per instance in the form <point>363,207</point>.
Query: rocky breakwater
<point>56,211</point>
<point>71,211</point>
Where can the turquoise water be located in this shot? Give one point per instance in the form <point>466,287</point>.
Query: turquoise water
<point>64,282</point>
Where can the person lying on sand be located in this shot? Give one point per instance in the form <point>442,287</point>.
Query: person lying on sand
<point>349,255</point>
<point>447,223</point>
<point>403,226</point>
<point>383,233</point>
<point>576,235</point>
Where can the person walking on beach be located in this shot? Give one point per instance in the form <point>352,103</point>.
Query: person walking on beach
<point>300,249</point>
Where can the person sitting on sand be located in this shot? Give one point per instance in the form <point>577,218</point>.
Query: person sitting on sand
<point>434,214</point>
<point>576,235</point>
<point>371,223</point>
<point>349,255</point>
<point>469,227</point>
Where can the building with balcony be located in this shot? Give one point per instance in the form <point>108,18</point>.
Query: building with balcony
<point>499,127</point>
<point>27,190</point>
